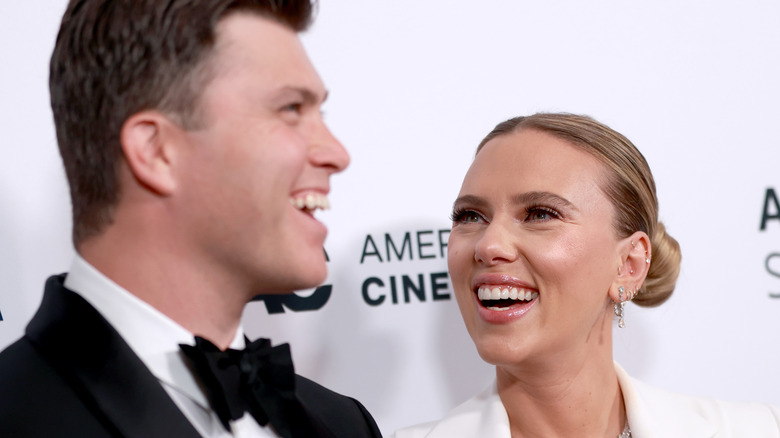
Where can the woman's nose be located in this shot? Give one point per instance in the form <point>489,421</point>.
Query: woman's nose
<point>496,245</point>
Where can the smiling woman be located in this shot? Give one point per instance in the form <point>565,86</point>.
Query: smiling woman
<point>554,230</point>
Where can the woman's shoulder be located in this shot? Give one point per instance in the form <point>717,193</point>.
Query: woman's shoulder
<point>656,412</point>
<point>480,416</point>
<point>652,412</point>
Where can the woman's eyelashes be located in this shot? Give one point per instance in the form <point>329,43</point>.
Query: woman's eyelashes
<point>540,213</point>
<point>531,214</point>
<point>465,216</point>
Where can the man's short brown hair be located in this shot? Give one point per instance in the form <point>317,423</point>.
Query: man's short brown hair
<point>114,58</point>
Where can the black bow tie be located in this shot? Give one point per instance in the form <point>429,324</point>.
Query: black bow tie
<point>260,379</point>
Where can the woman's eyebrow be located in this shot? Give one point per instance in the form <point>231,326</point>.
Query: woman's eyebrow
<point>527,198</point>
<point>543,197</point>
<point>474,200</point>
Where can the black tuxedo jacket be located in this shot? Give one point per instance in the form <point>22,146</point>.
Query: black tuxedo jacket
<point>72,375</point>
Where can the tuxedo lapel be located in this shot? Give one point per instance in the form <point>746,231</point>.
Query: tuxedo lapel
<point>333,415</point>
<point>102,368</point>
<point>320,428</point>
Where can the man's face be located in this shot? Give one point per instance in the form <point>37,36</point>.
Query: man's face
<point>259,166</point>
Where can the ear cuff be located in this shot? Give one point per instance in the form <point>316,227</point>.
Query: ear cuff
<point>647,258</point>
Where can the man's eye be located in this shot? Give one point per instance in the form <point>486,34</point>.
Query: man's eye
<point>293,107</point>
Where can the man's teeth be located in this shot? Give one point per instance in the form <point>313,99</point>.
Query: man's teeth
<point>505,293</point>
<point>311,201</point>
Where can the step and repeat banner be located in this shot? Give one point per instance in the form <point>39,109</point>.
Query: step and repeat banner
<point>415,85</point>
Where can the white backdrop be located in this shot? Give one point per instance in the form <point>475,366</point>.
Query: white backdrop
<point>414,86</point>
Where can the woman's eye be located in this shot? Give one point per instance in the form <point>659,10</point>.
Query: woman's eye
<point>466,217</point>
<point>471,217</point>
<point>541,215</point>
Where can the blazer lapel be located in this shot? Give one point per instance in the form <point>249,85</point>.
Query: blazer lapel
<point>654,413</point>
<point>100,365</point>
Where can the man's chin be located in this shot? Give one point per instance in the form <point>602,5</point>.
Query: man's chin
<point>314,278</point>
<point>308,279</point>
<point>313,272</point>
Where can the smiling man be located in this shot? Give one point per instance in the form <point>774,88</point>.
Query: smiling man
<point>197,156</point>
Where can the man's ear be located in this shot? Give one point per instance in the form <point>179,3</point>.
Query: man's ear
<point>147,139</point>
<point>633,267</point>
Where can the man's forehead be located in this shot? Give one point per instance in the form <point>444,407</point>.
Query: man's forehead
<point>255,42</point>
<point>242,20</point>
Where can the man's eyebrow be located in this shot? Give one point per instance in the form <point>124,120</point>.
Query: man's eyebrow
<point>307,94</point>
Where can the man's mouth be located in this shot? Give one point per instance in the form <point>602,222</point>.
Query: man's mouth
<point>504,297</point>
<point>310,202</point>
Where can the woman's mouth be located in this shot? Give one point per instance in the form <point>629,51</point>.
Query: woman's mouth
<point>503,298</point>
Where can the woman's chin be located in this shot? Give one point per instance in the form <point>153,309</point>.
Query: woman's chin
<point>499,353</point>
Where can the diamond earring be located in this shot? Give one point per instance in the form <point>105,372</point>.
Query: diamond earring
<point>620,307</point>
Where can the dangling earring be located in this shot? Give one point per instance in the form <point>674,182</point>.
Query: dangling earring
<point>619,307</point>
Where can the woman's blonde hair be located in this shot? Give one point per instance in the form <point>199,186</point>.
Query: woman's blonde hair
<point>629,186</point>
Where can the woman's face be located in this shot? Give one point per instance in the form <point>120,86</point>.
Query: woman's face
<point>531,223</point>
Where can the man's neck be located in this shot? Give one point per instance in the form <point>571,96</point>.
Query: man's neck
<point>185,293</point>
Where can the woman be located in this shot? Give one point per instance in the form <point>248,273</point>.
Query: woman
<point>555,229</point>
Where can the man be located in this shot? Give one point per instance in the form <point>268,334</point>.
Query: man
<point>196,156</point>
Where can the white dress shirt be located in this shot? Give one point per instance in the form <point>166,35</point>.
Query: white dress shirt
<point>155,339</point>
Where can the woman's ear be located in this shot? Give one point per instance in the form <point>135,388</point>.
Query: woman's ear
<point>147,144</point>
<point>633,267</point>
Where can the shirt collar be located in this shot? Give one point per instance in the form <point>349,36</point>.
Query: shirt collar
<point>153,336</point>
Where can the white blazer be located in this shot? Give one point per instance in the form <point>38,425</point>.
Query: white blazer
<point>652,413</point>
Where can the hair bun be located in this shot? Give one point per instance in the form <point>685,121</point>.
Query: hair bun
<point>664,269</point>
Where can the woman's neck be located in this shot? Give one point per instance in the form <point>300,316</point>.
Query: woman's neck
<point>564,398</point>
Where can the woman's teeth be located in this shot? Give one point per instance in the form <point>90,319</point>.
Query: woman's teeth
<point>505,293</point>
<point>311,201</point>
